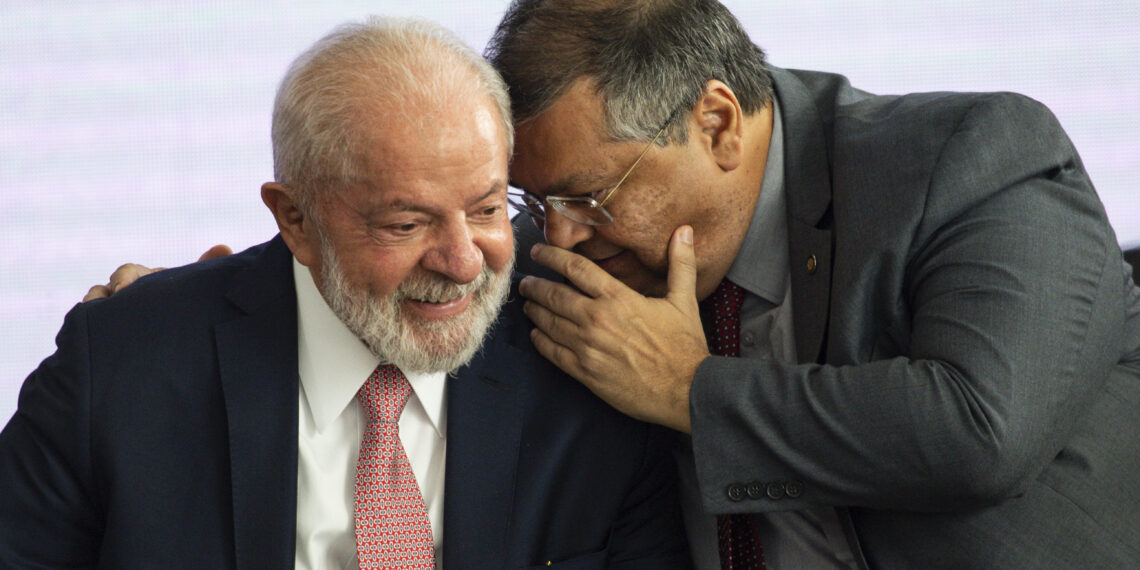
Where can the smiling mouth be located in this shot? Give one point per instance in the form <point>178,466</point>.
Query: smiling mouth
<point>434,310</point>
<point>435,301</point>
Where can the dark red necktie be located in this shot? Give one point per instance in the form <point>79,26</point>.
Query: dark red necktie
<point>392,525</point>
<point>737,541</point>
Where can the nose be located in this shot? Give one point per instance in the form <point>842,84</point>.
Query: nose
<point>564,232</point>
<point>456,255</point>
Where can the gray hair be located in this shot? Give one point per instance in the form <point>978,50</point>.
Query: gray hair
<point>648,59</point>
<point>351,74</point>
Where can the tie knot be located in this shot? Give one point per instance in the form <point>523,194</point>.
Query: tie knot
<point>726,299</point>
<point>724,306</point>
<point>385,394</point>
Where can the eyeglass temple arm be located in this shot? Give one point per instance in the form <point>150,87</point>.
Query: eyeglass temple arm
<point>630,171</point>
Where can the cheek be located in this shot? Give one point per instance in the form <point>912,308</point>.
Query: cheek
<point>377,272</point>
<point>645,233</point>
<point>498,246</point>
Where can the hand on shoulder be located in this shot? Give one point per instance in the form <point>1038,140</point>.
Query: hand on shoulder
<point>128,273</point>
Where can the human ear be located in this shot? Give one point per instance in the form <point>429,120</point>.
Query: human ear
<point>721,123</point>
<point>297,229</point>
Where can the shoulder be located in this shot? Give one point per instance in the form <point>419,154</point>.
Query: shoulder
<point>853,112</point>
<point>986,119</point>
<point>174,303</point>
<point>551,395</point>
<point>945,151</point>
<point>181,289</point>
<point>526,235</point>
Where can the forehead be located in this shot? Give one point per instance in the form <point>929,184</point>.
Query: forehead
<point>564,148</point>
<point>432,152</point>
<point>422,138</point>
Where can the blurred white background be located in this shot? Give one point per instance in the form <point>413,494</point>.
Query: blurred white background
<point>139,131</point>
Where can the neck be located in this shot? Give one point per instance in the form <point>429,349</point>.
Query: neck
<point>736,211</point>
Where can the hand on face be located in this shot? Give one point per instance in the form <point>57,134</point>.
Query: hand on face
<point>637,353</point>
<point>128,273</point>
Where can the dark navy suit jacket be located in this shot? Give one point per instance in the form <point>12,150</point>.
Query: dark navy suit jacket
<point>163,433</point>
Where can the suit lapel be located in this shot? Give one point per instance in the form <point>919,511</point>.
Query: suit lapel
<point>257,358</point>
<point>484,430</point>
<point>807,182</point>
<point>807,163</point>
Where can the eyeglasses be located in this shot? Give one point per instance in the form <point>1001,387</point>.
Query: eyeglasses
<point>582,209</point>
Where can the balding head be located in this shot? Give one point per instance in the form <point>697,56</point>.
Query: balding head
<point>325,110</point>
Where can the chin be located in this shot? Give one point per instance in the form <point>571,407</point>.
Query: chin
<point>646,284</point>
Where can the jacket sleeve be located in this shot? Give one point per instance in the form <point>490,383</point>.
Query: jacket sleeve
<point>49,515</point>
<point>1014,316</point>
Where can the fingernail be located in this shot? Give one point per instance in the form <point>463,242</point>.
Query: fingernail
<point>687,235</point>
<point>534,249</point>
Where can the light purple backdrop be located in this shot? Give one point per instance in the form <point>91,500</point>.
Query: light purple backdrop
<point>139,131</point>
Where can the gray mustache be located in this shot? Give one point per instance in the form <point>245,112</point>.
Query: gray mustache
<point>437,289</point>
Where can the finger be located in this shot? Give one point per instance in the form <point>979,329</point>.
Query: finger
<point>559,355</point>
<point>127,274</point>
<point>583,273</point>
<point>97,292</point>
<point>682,269</point>
<point>558,298</point>
<point>561,330</point>
<point>215,252</point>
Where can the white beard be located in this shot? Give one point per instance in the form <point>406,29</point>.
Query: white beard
<point>415,345</point>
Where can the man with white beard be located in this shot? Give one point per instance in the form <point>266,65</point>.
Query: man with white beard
<point>342,395</point>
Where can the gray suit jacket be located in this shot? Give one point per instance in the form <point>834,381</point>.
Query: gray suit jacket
<point>969,341</point>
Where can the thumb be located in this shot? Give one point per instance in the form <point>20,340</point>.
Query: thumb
<point>682,269</point>
<point>216,252</point>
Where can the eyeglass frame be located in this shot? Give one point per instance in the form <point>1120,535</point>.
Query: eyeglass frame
<point>533,205</point>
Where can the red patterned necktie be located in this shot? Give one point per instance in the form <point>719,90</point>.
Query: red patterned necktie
<point>392,526</point>
<point>737,541</point>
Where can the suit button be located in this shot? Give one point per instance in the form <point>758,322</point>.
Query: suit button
<point>775,491</point>
<point>812,263</point>
<point>736,492</point>
<point>755,490</point>
<point>794,489</point>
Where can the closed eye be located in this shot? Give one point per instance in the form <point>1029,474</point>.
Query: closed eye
<point>490,211</point>
<point>400,230</point>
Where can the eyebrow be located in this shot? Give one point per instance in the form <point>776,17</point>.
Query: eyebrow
<point>496,187</point>
<point>406,206</point>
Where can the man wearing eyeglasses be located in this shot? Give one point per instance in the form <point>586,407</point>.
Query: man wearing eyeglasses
<point>938,346</point>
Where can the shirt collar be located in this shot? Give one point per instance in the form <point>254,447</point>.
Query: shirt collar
<point>761,265</point>
<point>333,363</point>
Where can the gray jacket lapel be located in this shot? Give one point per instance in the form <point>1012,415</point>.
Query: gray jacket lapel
<point>807,179</point>
<point>807,160</point>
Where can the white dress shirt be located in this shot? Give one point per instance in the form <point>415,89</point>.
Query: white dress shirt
<point>333,364</point>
